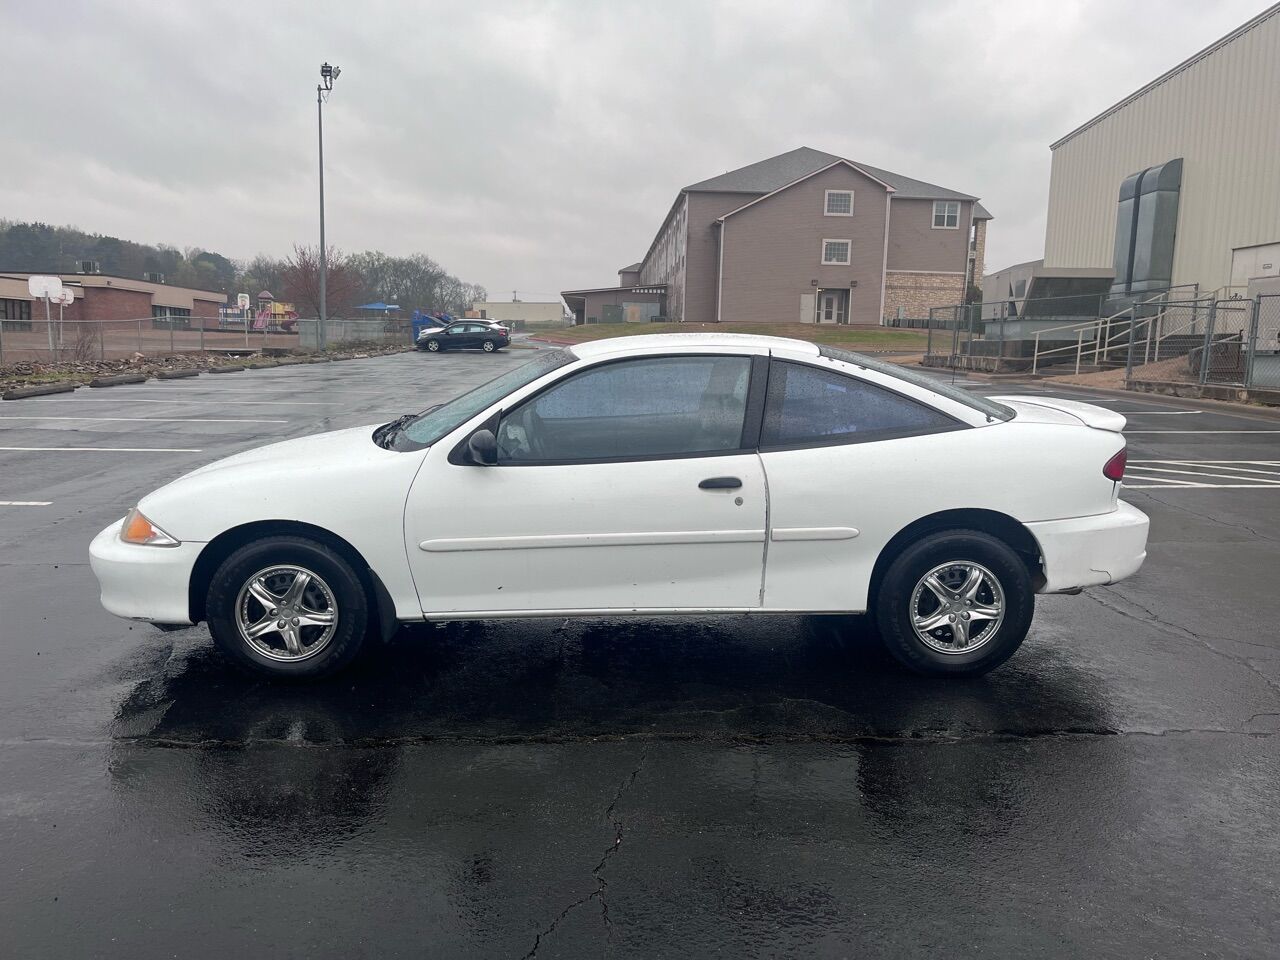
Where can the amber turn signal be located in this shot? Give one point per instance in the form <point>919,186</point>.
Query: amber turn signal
<point>138,529</point>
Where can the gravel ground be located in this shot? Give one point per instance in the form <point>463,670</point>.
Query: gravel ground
<point>26,372</point>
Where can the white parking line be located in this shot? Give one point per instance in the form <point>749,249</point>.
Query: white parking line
<point>1193,473</point>
<point>143,419</point>
<point>107,449</point>
<point>1161,413</point>
<point>1213,432</point>
<point>25,503</point>
<point>1200,486</point>
<point>1206,474</point>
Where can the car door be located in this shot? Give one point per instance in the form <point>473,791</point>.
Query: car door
<point>624,486</point>
<point>849,463</point>
<point>458,336</point>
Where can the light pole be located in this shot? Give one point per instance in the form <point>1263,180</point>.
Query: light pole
<point>328,74</point>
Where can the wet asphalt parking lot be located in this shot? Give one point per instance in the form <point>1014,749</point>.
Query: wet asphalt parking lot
<point>701,787</point>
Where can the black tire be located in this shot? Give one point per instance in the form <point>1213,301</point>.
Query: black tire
<point>348,598</point>
<point>896,602</point>
<point>489,346</point>
<point>433,346</point>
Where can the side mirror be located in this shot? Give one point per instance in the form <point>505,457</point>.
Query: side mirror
<point>482,448</point>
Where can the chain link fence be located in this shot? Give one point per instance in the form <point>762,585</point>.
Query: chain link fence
<point>1222,342</point>
<point>348,332</point>
<point>86,340</point>
<point>1263,367</point>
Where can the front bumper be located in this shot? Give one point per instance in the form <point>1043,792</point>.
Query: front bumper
<point>1089,551</point>
<point>141,582</point>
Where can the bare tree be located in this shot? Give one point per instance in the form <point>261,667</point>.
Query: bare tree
<point>300,280</point>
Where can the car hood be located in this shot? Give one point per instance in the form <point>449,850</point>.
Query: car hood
<point>341,477</point>
<point>301,453</point>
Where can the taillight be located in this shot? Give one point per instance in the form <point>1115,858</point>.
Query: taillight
<point>1114,468</point>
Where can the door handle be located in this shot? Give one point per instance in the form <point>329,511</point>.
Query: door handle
<point>720,483</point>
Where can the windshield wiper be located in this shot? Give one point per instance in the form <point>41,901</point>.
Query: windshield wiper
<point>386,434</point>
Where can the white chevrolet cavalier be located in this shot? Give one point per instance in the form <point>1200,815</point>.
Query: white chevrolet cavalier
<point>677,474</point>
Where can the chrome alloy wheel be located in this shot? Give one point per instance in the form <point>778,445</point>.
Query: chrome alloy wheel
<point>433,346</point>
<point>957,607</point>
<point>489,346</point>
<point>286,612</point>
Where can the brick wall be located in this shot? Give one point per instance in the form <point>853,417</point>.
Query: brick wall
<point>207,309</point>
<point>917,292</point>
<point>113,303</point>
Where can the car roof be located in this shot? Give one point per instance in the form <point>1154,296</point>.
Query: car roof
<point>653,342</point>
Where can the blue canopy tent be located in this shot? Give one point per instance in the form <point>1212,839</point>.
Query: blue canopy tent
<point>379,307</point>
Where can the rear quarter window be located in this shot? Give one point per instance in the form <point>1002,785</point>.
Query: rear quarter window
<point>810,405</point>
<point>989,408</point>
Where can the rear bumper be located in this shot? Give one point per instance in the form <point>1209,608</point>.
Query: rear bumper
<point>143,583</point>
<point>1088,551</point>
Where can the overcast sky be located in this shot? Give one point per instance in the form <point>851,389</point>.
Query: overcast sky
<point>537,146</point>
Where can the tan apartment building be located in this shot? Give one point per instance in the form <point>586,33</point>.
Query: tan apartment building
<point>806,237</point>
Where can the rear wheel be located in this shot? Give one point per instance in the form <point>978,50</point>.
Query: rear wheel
<point>958,602</point>
<point>489,346</point>
<point>287,607</point>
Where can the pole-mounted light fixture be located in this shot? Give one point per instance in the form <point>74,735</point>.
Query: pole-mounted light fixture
<point>328,74</point>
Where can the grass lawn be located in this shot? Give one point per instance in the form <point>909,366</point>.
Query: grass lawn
<point>837,335</point>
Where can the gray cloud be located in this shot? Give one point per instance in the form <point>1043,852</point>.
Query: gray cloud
<point>537,145</point>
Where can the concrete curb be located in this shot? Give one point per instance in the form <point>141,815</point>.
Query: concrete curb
<point>176,374</point>
<point>118,381</point>
<point>39,390</point>
<point>264,365</point>
<point>225,370</point>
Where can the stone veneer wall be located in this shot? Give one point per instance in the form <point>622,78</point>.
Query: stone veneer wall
<point>917,292</point>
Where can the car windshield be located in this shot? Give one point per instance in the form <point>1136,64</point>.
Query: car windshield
<point>993,410</point>
<point>428,427</point>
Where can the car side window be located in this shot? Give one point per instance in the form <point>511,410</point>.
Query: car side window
<point>633,409</point>
<point>808,405</point>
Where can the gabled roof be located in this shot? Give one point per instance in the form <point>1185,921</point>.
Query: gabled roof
<point>766,176</point>
<point>635,266</point>
<point>765,196</point>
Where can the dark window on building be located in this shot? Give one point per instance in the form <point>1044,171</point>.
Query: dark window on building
<point>808,405</point>
<point>164,318</point>
<point>15,314</point>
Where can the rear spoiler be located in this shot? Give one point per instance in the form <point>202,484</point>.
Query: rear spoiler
<point>1091,415</point>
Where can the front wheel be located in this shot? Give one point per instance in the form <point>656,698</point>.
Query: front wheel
<point>433,346</point>
<point>287,607</point>
<point>956,603</point>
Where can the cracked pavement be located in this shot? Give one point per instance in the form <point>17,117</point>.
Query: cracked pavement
<point>612,788</point>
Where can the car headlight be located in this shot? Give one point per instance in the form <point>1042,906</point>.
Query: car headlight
<point>138,529</point>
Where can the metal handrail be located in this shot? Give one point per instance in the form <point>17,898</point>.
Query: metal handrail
<point>1096,326</point>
